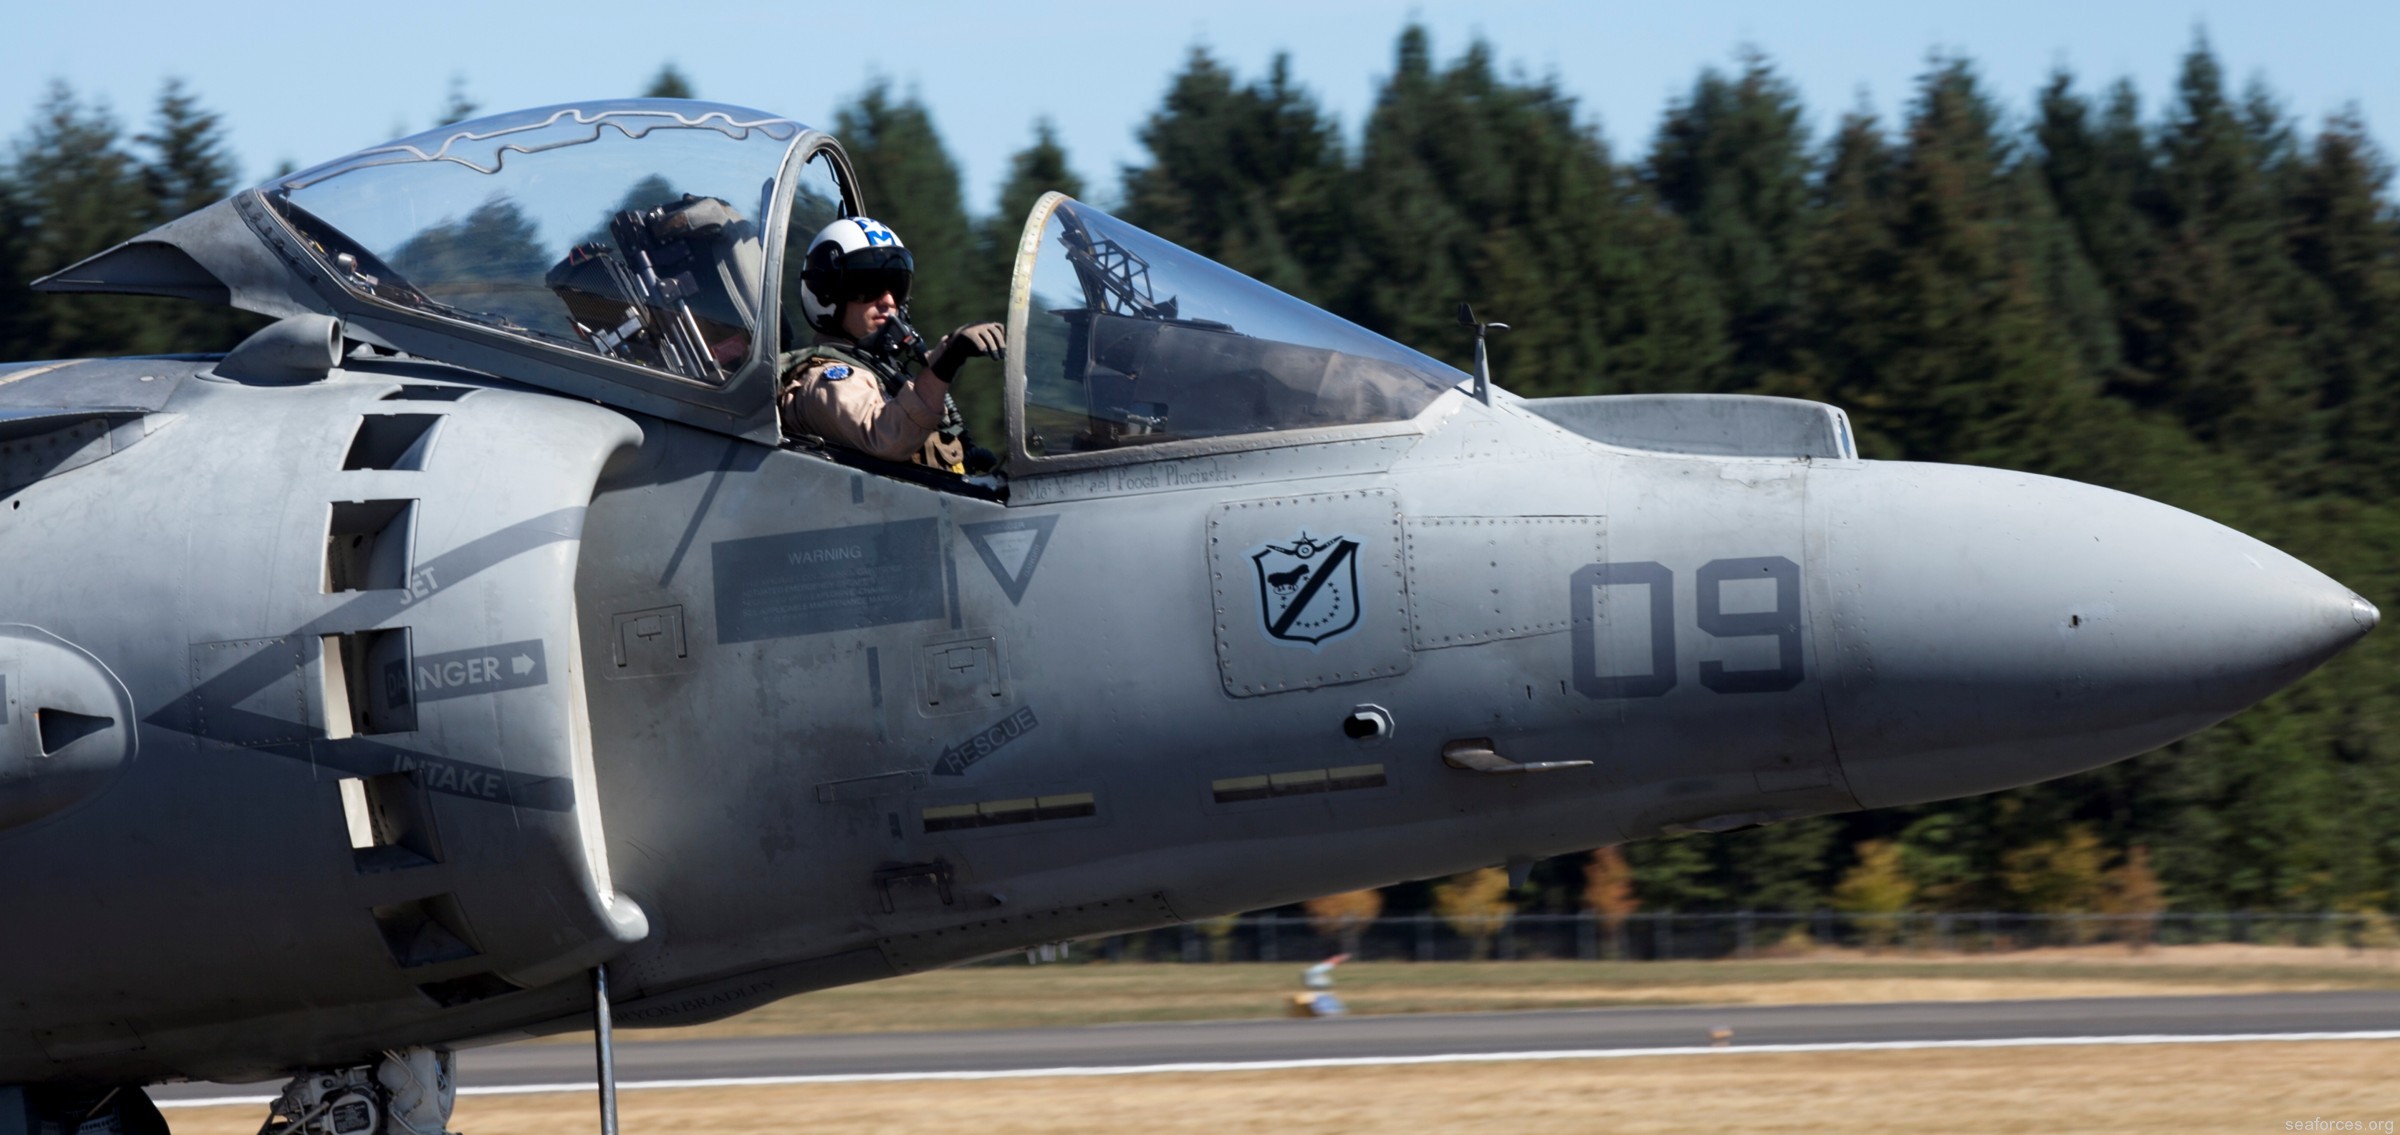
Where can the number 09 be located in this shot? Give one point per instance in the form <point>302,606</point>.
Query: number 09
<point>1782,624</point>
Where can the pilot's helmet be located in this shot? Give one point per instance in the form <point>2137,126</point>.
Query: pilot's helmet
<point>855,258</point>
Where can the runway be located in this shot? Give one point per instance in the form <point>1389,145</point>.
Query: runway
<point>1114,1049</point>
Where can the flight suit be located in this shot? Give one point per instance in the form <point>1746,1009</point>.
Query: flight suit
<point>831,390</point>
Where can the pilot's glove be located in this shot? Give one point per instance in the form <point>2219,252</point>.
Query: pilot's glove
<point>973,341</point>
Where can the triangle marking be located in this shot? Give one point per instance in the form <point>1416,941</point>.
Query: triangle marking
<point>1012,550</point>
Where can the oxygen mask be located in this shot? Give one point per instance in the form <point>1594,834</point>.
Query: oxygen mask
<point>896,342</point>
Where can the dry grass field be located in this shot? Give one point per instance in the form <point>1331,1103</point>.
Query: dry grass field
<point>2093,1091</point>
<point>1018,996</point>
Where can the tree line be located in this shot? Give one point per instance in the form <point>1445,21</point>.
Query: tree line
<point>2198,302</point>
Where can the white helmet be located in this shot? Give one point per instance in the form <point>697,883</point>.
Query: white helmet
<point>855,258</point>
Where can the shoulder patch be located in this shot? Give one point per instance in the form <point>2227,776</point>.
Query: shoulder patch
<point>836,372</point>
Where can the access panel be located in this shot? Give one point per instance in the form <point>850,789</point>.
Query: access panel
<point>1309,591</point>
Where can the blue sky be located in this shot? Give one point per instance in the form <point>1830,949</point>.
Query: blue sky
<point>309,82</point>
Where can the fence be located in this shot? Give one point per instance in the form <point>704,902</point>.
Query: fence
<point>1741,934</point>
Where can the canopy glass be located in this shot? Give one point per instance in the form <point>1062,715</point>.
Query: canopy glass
<point>630,230</point>
<point>1130,340</point>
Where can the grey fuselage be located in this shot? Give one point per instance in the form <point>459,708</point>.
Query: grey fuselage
<point>742,721</point>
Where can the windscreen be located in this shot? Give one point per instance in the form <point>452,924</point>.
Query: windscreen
<point>1131,340</point>
<point>629,230</point>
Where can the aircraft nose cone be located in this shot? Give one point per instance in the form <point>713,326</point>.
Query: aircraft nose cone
<point>1992,629</point>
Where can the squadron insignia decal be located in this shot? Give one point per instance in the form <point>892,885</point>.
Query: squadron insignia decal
<point>1308,589</point>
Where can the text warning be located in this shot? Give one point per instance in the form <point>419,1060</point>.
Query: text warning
<point>832,579</point>
<point>483,670</point>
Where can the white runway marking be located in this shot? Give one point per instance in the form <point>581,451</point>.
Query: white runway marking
<point>1374,1062</point>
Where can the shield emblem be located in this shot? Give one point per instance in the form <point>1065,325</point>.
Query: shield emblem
<point>1308,589</point>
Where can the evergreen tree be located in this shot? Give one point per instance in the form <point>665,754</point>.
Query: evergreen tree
<point>1037,169</point>
<point>1673,874</point>
<point>2097,163</point>
<point>76,192</point>
<point>1472,188</point>
<point>2095,166</point>
<point>1934,319</point>
<point>1778,867</point>
<point>1732,159</point>
<point>188,169</point>
<point>2223,293</point>
<point>1849,243</point>
<point>1249,176</point>
<point>2346,239</point>
<point>17,338</point>
<point>669,83</point>
<point>909,182</point>
<point>2255,816</point>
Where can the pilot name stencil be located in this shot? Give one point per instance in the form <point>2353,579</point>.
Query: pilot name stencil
<point>1154,477</point>
<point>958,757</point>
<point>1308,588</point>
<point>483,670</point>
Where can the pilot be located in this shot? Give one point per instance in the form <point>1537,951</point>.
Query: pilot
<point>852,385</point>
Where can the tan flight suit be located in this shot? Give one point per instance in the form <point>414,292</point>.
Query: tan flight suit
<point>834,393</point>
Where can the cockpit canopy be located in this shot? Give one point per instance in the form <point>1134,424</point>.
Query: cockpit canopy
<point>624,251</point>
<point>637,253</point>
<point>1127,340</point>
<point>633,232</point>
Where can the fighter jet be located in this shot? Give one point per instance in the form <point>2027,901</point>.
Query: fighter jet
<point>470,654</point>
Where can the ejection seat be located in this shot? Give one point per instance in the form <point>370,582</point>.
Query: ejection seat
<point>674,286</point>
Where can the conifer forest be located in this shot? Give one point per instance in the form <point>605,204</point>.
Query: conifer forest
<point>2197,301</point>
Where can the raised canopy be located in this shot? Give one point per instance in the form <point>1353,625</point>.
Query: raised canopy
<point>622,250</point>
